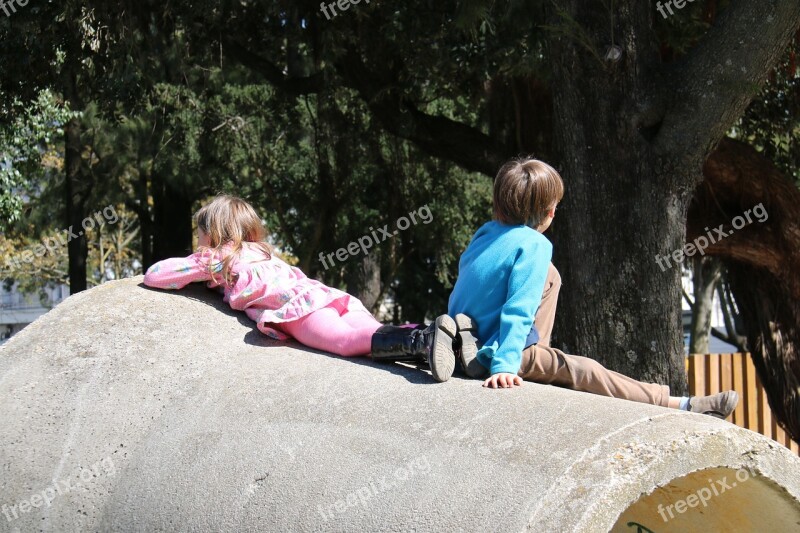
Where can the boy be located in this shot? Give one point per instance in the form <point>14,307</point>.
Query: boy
<point>506,296</point>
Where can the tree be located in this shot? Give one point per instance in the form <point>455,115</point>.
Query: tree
<point>631,131</point>
<point>634,119</point>
<point>331,125</point>
<point>706,274</point>
<point>762,258</point>
<point>29,151</point>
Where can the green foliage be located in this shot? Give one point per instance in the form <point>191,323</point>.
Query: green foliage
<point>27,143</point>
<point>772,121</point>
<point>164,99</point>
<point>38,262</point>
<point>274,152</point>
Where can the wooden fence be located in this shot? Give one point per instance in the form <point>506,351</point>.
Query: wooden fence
<point>711,373</point>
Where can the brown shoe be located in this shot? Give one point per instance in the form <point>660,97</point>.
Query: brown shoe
<point>720,405</point>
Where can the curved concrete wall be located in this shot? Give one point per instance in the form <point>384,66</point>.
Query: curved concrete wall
<point>129,409</point>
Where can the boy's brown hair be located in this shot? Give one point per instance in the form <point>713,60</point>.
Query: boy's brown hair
<point>525,190</point>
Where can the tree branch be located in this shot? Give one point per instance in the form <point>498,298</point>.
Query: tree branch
<point>771,242</point>
<point>270,72</point>
<point>730,339</point>
<point>763,259</point>
<point>435,135</point>
<point>730,327</point>
<point>713,85</point>
<point>687,298</point>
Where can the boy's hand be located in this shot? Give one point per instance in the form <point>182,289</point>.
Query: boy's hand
<point>503,380</point>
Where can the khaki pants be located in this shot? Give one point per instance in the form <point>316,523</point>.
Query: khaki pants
<point>542,364</point>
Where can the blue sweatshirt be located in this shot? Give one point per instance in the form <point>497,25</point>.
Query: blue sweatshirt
<point>501,278</point>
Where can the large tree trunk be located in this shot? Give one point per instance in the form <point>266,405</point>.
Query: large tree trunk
<point>773,332</point>
<point>621,209</point>
<point>77,182</point>
<point>141,206</point>
<point>325,205</point>
<point>172,216</point>
<point>632,135</point>
<point>365,280</point>
<point>76,190</point>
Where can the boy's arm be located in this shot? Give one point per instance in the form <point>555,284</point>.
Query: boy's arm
<point>525,288</point>
<point>177,272</point>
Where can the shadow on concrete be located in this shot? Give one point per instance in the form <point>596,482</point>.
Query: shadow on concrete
<point>211,297</point>
<point>413,374</point>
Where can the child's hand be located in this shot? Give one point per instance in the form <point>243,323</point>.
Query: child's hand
<point>503,380</point>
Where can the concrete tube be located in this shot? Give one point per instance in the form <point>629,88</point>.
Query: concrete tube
<point>130,409</point>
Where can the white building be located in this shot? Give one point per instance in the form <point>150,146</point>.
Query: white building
<point>715,345</point>
<point>18,310</point>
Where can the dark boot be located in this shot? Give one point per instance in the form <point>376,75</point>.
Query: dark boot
<point>432,345</point>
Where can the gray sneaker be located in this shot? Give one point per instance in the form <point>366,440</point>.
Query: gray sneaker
<point>720,405</point>
<point>467,347</point>
<point>439,340</point>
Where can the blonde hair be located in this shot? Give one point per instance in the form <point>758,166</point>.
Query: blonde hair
<point>525,189</point>
<point>229,220</point>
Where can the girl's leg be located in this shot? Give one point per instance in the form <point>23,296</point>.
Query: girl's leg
<point>364,327</point>
<point>358,316</point>
<point>361,320</point>
<point>325,330</point>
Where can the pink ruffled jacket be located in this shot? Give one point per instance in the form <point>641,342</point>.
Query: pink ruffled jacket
<point>269,291</point>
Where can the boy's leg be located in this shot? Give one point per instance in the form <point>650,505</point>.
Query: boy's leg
<point>546,314</point>
<point>542,364</point>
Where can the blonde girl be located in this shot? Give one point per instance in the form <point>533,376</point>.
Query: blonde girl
<point>232,255</point>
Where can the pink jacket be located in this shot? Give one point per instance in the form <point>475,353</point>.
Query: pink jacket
<point>269,291</point>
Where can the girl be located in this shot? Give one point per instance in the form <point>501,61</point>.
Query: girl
<point>284,303</point>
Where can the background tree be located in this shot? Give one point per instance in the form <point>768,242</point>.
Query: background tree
<point>334,125</point>
<point>632,122</point>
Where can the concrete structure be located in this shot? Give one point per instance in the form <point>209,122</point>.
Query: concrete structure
<point>130,409</point>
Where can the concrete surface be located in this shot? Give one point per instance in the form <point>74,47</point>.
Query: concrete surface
<point>131,409</point>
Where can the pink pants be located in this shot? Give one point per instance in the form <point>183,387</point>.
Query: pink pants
<point>336,329</point>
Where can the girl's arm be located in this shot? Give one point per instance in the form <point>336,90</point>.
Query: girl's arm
<point>177,272</point>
